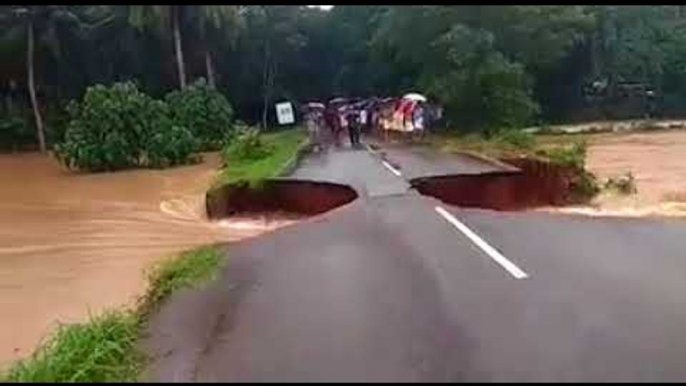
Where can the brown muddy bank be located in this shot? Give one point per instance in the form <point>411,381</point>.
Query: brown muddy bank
<point>290,196</point>
<point>537,183</point>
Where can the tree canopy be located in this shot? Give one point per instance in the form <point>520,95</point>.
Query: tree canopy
<point>489,66</point>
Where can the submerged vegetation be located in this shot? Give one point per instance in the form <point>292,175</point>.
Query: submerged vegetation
<point>625,184</point>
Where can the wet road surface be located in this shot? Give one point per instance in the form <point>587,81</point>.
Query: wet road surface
<point>400,287</point>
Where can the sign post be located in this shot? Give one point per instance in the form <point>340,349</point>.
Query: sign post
<point>284,113</point>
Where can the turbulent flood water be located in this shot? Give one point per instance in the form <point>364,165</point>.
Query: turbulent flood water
<point>74,243</point>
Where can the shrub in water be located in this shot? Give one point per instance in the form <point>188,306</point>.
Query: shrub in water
<point>118,127</point>
<point>204,111</point>
<point>584,186</point>
<point>171,147</point>
<point>624,185</point>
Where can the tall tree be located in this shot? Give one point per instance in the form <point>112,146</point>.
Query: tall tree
<point>162,19</point>
<point>274,33</point>
<point>39,24</point>
<point>214,25</point>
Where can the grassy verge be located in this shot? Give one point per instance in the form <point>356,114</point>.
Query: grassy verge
<point>104,349</point>
<point>569,150</point>
<point>273,152</point>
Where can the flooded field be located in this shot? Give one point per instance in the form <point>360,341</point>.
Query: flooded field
<point>74,243</point>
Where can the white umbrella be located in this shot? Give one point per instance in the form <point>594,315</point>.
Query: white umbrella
<point>413,96</point>
<point>316,105</point>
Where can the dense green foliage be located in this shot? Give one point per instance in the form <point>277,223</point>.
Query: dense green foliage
<point>573,155</point>
<point>119,127</point>
<point>170,147</point>
<point>490,66</point>
<point>204,111</point>
<point>253,157</point>
<point>247,145</point>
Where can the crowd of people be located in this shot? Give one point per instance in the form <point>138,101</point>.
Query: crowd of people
<point>410,114</point>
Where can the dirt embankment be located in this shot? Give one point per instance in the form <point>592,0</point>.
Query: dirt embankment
<point>655,159</point>
<point>277,196</point>
<point>537,183</point>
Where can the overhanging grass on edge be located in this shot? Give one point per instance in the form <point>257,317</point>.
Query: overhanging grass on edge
<point>556,149</point>
<point>104,349</point>
<point>284,147</point>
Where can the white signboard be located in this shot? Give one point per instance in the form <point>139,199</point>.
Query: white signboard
<point>284,113</point>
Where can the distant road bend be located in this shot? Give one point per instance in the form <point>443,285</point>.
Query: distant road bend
<point>397,286</point>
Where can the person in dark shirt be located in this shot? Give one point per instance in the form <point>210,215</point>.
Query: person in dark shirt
<point>353,118</point>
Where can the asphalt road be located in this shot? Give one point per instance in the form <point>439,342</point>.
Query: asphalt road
<point>400,287</point>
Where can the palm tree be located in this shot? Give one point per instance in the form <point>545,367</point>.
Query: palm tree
<point>216,23</point>
<point>38,23</point>
<point>161,18</point>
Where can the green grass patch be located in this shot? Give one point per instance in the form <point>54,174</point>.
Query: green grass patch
<point>104,348</point>
<point>563,150</point>
<point>501,145</point>
<point>572,154</point>
<point>189,269</point>
<point>268,155</point>
<point>100,350</point>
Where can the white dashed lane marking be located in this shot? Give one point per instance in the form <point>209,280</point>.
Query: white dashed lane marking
<point>392,169</point>
<point>489,250</point>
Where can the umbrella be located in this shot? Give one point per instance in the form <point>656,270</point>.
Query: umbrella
<point>413,96</point>
<point>315,105</point>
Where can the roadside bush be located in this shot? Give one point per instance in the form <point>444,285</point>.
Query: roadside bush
<point>625,184</point>
<point>247,145</point>
<point>574,155</point>
<point>204,111</point>
<point>116,127</point>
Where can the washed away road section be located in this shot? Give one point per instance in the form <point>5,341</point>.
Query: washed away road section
<point>400,287</point>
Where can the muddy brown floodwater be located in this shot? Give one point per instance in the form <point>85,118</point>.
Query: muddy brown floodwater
<point>74,243</point>
<point>656,159</point>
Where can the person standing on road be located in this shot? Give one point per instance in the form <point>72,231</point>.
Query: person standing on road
<point>353,119</point>
<point>332,121</point>
<point>314,121</point>
<point>418,119</point>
